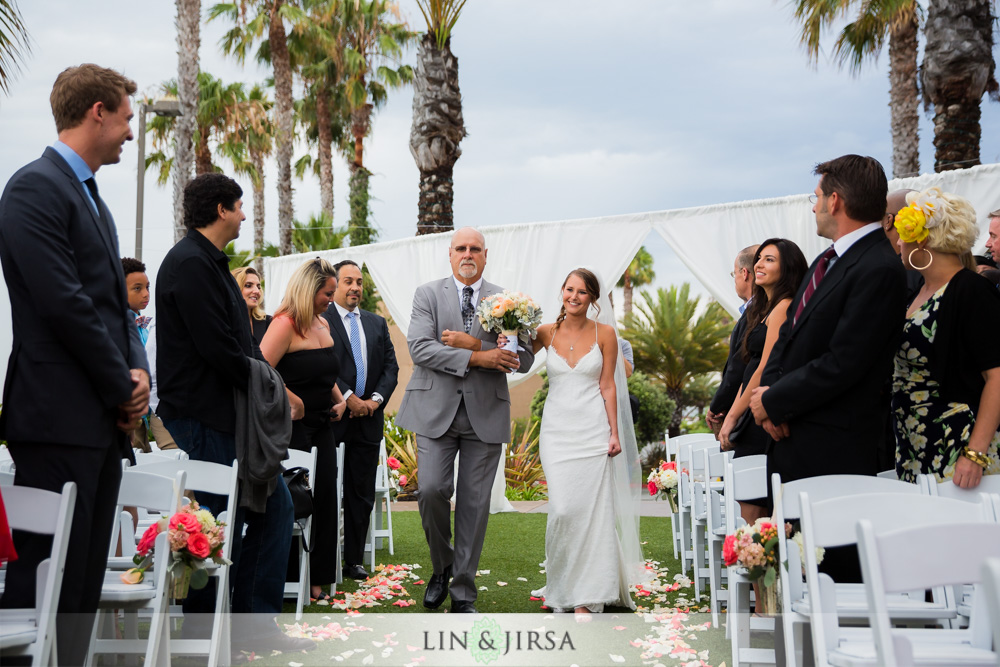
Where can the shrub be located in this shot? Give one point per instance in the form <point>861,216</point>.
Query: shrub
<point>402,444</point>
<point>523,467</point>
<point>655,408</point>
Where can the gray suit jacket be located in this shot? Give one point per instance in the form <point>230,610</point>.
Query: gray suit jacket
<point>441,374</point>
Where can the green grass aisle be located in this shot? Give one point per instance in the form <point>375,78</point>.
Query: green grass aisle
<point>669,628</point>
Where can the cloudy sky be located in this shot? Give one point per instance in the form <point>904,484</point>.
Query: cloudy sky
<point>574,109</point>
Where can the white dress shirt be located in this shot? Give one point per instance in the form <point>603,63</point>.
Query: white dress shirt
<point>844,243</point>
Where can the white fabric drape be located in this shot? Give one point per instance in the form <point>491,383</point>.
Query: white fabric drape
<point>707,238</point>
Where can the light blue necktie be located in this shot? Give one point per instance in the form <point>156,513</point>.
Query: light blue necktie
<point>359,360</point>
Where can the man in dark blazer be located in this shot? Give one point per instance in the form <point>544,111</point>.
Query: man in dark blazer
<point>368,372</point>
<point>821,394</point>
<point>77,379</point>
<point>732,372</point>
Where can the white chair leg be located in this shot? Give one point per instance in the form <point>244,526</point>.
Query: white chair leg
<point>388,518</point>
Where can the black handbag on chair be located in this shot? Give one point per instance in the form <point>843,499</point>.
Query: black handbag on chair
<point>296,479</point>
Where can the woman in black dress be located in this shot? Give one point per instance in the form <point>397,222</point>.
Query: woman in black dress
<point>298,344</point>
<point>779,267</point>
<point>249,281</point>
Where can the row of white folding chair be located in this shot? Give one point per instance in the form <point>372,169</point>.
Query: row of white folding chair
<point>6,461</point>
<point>671,446</point>
<point>31,632</point>
<point>156,493</point>
<point>686,454</point>
<point>990,576</point>
<point>934,553</point>
<point>796,603</point>
<point>302,533</point>
<point>206,477</point>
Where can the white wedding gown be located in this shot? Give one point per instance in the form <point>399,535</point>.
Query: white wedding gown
<point>584,565</point>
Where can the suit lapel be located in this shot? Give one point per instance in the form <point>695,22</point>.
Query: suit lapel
<point>452,312</point>
<point>103,226</point>
<point>833,276</point>
<point>367,322</point>
<point>487,290</point>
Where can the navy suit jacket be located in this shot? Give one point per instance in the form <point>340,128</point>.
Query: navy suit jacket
<point>74,339</point>
<point>827,372</point>
<point>380,376</point>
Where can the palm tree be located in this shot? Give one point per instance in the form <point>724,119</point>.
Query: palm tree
<point>674,344</point>
<point>246,148</point>
<point>374,36</point>
<point>438,126</point>
<point>863,39</point>
<point>14,42</point>
<point>188,96</point>
<point>639,272</point>
<point>958,68</point>
<point>254,18</point>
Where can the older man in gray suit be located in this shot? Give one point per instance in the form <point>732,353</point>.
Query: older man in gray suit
<point>457,401</point>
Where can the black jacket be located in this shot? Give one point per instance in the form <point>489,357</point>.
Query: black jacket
<point>203,335</point>
<point>74,340</point>
<point>732,372</point>
<point>380,376</point>
<point>827,372</point>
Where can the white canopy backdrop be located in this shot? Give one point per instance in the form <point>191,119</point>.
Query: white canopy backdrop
<point>535,257</point>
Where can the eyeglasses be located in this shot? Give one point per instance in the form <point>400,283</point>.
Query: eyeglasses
<point>813,199</point>
<point>474,249</point>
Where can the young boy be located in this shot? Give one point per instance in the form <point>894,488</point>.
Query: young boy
<point>137,289</point>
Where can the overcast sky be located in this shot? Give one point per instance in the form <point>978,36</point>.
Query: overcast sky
<point>574,109</point>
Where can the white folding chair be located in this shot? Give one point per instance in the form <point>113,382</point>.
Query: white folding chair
<point>832,523</point>
<point>700,486</point>
<point>6,461</point>
<point>376,531</point>
<point>156,493</point>
<point>745,479</point>
<point>206,477</point>
<point>31,632</point>
<point>157,455</point>
<point>991,591</point>
<point>301,532</point>
<point>715,517</point>
<point>795,604</point>
<point>951,553</point>
<point>686,452</point>
<point>671,448</point>
<point>340,514</point>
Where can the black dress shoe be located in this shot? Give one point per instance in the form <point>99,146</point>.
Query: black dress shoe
<point>463,607</point>
<point>437,589</point>
<point>355,572</point>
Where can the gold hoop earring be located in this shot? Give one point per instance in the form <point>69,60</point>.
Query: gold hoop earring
<point>930,259</point>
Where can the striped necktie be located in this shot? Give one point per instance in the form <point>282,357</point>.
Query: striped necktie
<point>821,266</point>
<point>359,360</point>
<point>467,310</point>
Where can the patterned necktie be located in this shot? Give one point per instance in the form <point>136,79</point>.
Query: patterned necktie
<point>91,184</point>
<point>359,360</point>
<point>467,309</point>
<point>817,276</point>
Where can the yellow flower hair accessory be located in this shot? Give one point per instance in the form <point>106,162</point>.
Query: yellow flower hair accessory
<point>925,211</point>
<point>911,223</point>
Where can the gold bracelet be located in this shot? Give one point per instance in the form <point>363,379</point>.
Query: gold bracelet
<point>980,459</point>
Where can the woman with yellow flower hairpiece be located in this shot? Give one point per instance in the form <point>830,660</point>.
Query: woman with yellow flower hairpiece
<point>946,382</point>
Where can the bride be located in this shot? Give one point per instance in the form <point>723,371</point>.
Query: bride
<point>592,550</point>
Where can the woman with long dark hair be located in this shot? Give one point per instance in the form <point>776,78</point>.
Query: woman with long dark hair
<point>779,267</point>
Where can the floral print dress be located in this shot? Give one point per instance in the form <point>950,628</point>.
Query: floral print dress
<point>930,432</point>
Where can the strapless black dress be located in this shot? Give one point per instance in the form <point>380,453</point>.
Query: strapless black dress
<point>310,375</point>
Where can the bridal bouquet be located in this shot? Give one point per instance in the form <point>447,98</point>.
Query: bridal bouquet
<point>194,536</point>
<point>510,313</point>
<point>662,483</point>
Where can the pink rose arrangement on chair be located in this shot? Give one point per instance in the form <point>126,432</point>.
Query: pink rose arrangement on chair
<point>195,538</point>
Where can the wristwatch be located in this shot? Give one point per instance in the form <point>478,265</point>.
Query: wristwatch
<point>377,397</point>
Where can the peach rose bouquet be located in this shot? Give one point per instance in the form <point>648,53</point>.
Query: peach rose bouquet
<point>512,314</point>
<point>195,538</point>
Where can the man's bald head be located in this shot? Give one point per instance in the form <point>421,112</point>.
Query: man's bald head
<point>895,201</point>
<point>467,254</point>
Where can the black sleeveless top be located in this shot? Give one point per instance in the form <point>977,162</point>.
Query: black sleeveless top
<point>310,375</point>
